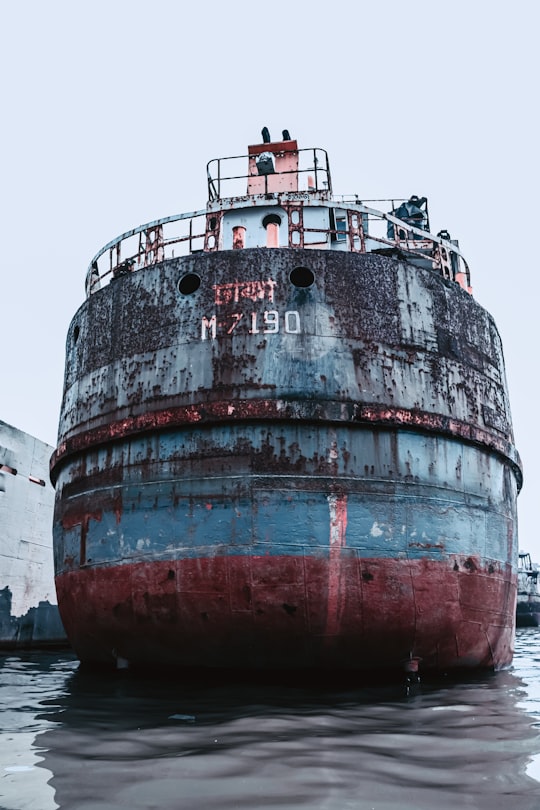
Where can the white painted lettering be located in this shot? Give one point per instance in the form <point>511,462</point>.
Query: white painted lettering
<point>237,316</point>
<point>271,320</point>
<point>254,330</point>
<point>292,322</point>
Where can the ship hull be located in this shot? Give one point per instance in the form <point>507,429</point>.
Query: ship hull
<point>29,616</point>
<point>528,611</point>
<point>291,612</point>
<point>328,488</point>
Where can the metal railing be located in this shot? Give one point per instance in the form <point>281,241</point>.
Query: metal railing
<point>146,245</point>
<point>361,230</point>
<point>227,176</point>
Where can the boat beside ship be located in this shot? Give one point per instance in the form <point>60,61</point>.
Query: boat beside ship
<point>285,438</point>
<point>528,595</point>
<point>29,616</point>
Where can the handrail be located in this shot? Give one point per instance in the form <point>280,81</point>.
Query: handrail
<point>154,245</point>
<point>94,277</point>
<point>320,175</point>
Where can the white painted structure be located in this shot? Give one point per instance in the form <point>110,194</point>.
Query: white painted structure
<point>28,605</point>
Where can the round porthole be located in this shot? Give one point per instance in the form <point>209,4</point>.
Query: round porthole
<point>189,283</point>
<point>302,277</point>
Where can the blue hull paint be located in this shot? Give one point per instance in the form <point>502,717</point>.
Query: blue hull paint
<point>270,455</point>
<point>444,498</point>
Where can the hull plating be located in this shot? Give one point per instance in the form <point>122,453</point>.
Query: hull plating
<point>193,563</point>
<point>248,611</point>
<point>324,479</point>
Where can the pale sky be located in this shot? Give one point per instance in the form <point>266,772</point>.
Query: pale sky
<point>111,110</point>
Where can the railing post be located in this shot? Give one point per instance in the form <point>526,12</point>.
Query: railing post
<point>212,234</point>
<point>355,231</point>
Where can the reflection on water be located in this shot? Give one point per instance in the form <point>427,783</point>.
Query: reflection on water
<point>83,741</point>
<point>24,682</point>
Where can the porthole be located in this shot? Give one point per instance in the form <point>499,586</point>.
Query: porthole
<point>189,283</point>
<point>302,277</point>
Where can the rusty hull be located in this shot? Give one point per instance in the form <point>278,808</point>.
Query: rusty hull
<point>286,458</point>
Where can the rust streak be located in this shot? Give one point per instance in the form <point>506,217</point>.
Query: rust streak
<point>338,526</point>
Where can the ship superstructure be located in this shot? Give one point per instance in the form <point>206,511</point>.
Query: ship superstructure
<point>285,437</point>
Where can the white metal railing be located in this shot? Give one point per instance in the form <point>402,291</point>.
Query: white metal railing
<point>227,176</point>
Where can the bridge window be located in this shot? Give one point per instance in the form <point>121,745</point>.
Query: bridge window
<point>341,228</point>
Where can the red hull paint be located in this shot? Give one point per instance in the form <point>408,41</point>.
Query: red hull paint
<point>286,612</point>
<point>226,401</point>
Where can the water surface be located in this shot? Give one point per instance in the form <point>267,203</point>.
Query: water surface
<point>81,741</point>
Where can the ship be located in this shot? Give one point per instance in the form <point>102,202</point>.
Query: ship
<point>29,616</point>
<point>285,438</point>
<point>528,595</point>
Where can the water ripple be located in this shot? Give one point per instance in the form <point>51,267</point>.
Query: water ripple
<point>92,742</point>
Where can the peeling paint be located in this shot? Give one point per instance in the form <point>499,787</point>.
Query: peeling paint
<point>286,456</point>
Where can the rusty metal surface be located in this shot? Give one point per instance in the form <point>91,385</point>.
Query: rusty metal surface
<point>307,452</point>
<point>295,612</point>
<point>407,342</point>
<point>284,199</point>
